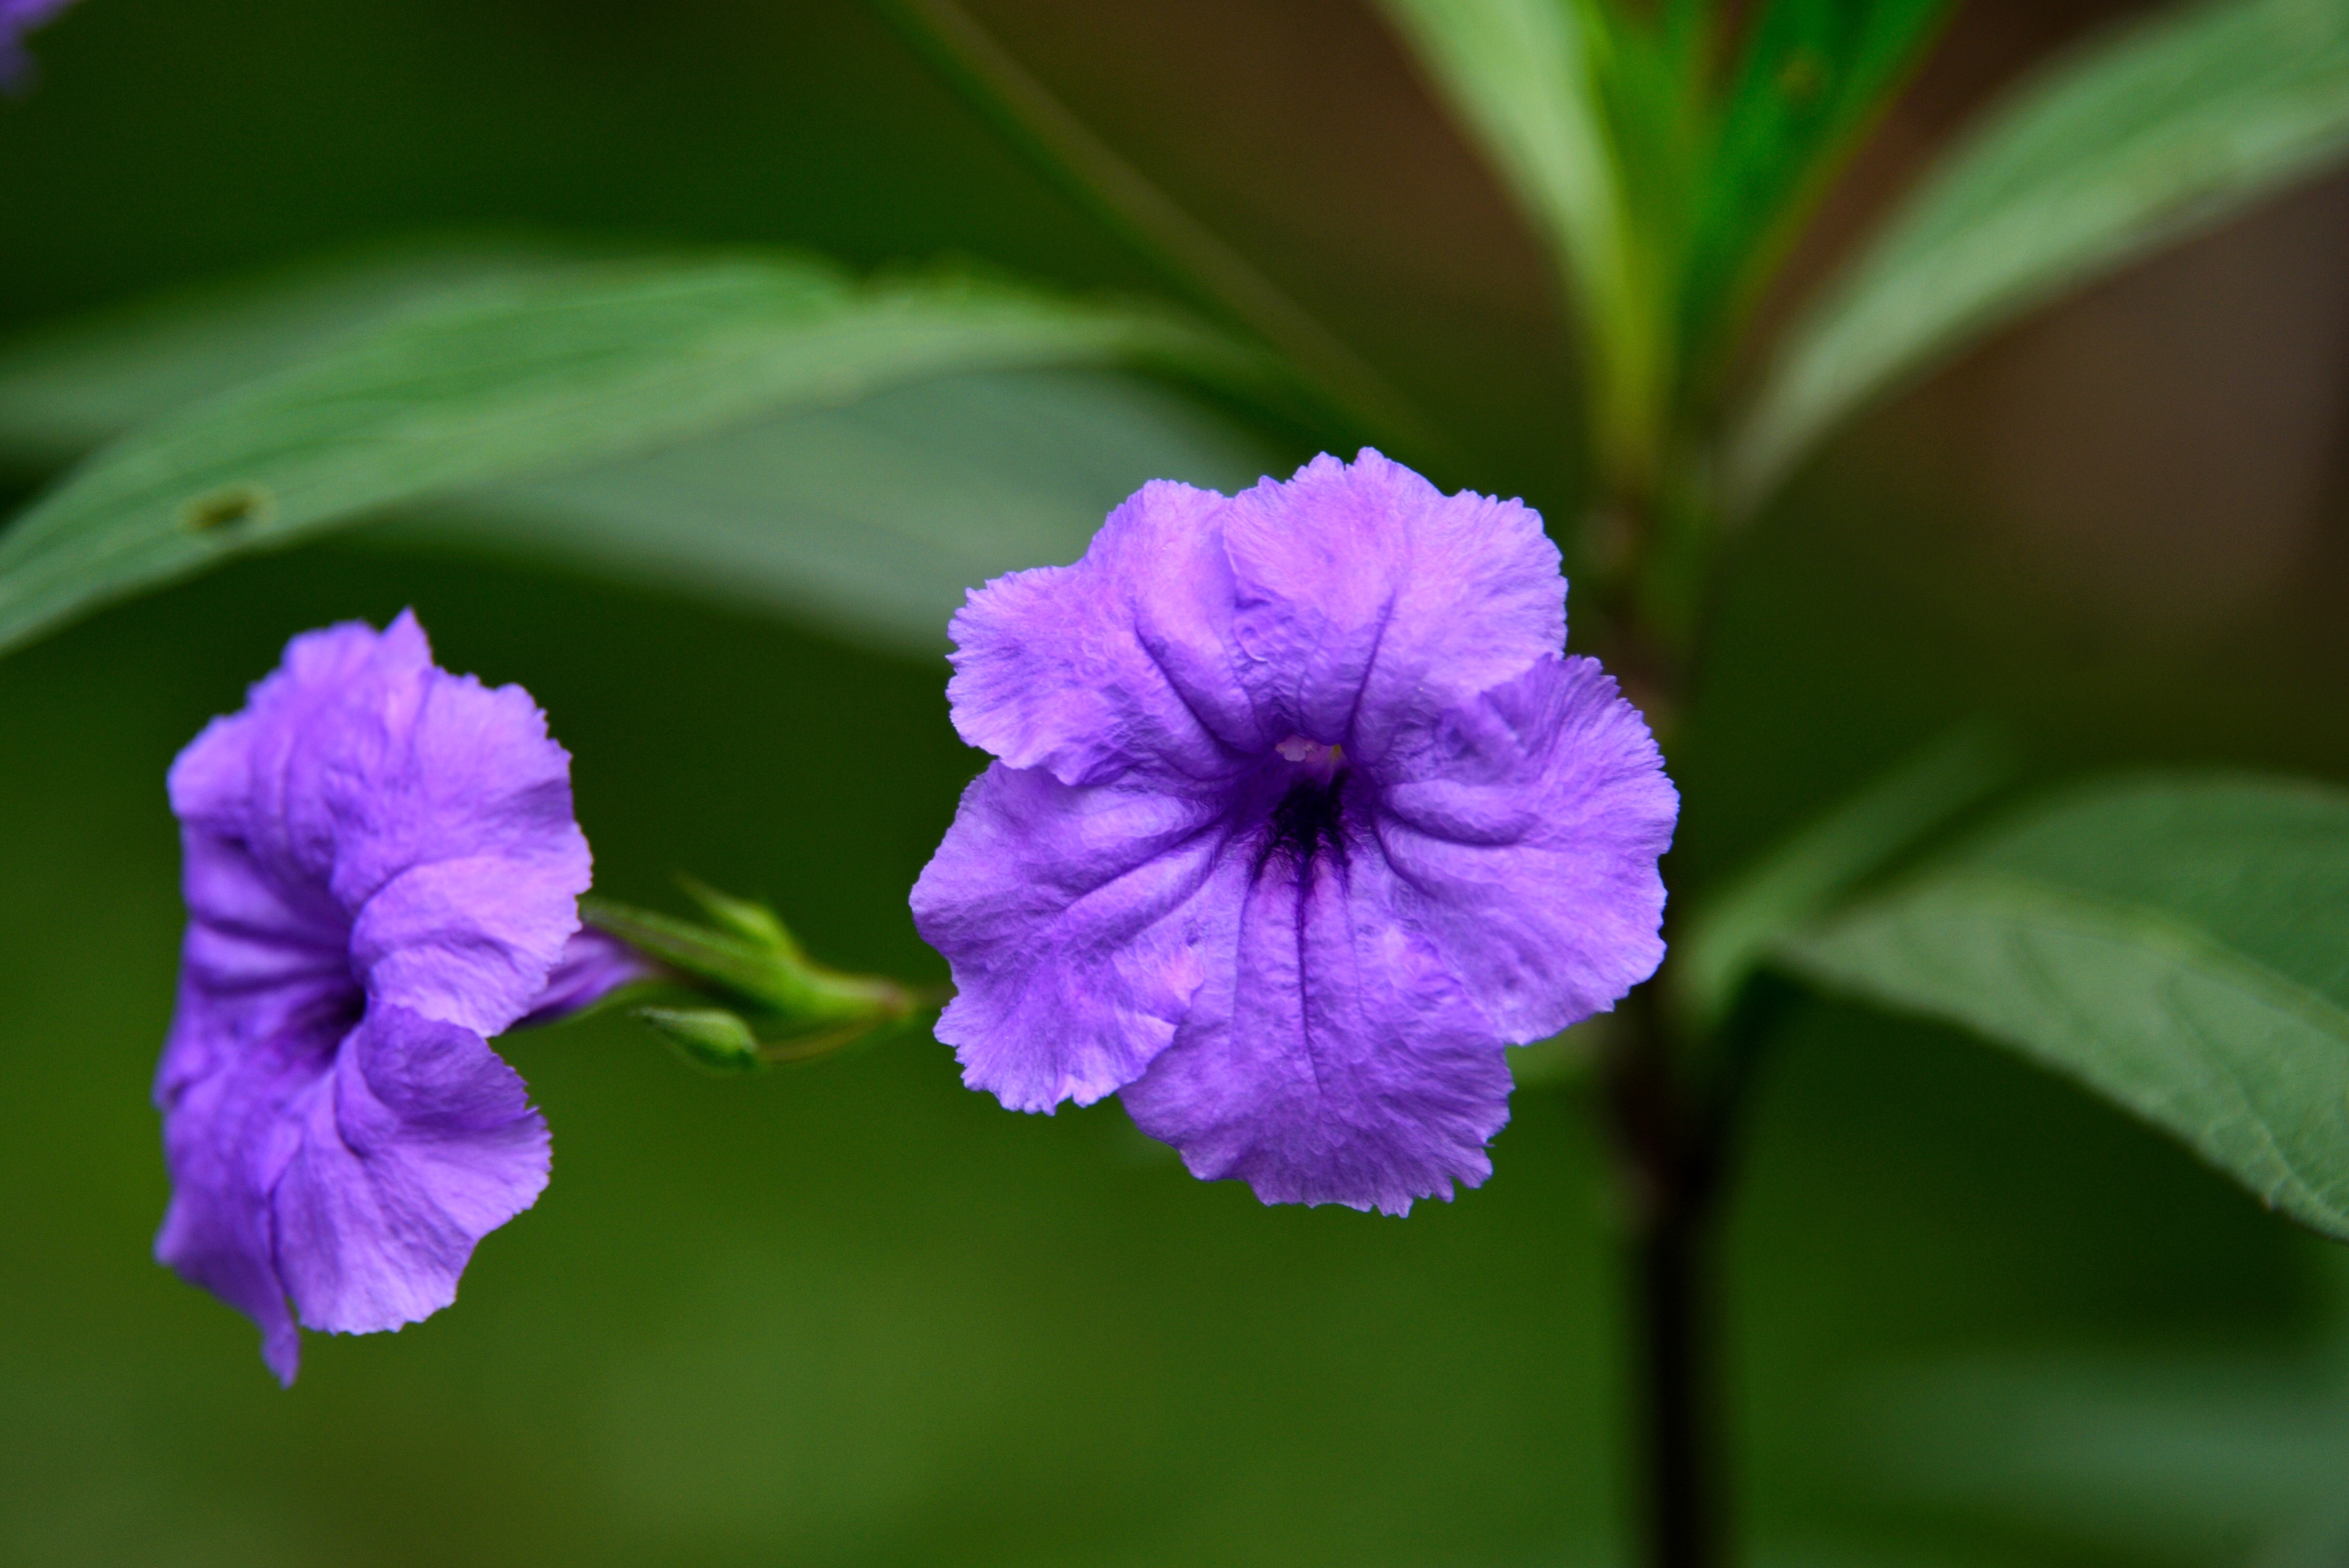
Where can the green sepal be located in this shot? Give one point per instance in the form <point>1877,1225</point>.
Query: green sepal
<point>752,920</point>
<point>709,1038</point>
<point>774,1004</point>
<point>767,971</point>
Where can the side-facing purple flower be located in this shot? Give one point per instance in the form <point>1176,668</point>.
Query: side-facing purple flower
<point>18,17</point>
<point>381,869</point>
<point>1298,817</point>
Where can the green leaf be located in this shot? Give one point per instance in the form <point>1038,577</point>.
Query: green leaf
<point>2179,945</point>
<point>2126,146</point>
<point>1813,77</point>
<point>1521,75</point>
<point>530,376</point>
<point>870,518</point>
<point>78,385</point>
<point>1731,933</point>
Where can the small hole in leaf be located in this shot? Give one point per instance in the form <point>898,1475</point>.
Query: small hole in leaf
<point>1803,77</point>
<point>237,507</point>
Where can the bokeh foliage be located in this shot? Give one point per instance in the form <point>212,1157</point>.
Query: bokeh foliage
<point>855,1314</point>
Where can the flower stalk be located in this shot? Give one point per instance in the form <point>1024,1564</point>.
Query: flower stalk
<point>740,995</point>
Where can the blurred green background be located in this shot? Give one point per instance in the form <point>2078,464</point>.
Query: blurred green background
<point>857,1315</point>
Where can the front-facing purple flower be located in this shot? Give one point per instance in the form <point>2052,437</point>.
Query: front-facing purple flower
<point>382,869</point>
<point>1299,816</point>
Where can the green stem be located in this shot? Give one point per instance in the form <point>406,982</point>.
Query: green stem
<point>1668,1162</point>
<point>774,975</point>
<point>1671,1102</point>
<point>1186,252</point>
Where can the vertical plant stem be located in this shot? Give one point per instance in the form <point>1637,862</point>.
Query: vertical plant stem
<point>1668,1153</point>
<point>1670,1109</point>
<point>1185,250</point>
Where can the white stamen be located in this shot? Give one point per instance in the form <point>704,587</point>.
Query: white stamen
<point>1297,748</point>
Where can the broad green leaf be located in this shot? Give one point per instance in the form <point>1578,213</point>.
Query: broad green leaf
<point>2180,945</point>
<point>1731,933</point>
<point>1813,76</point>
<point>528,376</point>
<point>1522,76</point>
<point>2125,146</point>
<point>870,518</point>
<point>76,385</point>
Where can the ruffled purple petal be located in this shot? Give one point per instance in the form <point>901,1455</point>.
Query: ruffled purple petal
<point>1527,831</point>
<point>433,815</point>
<point>1121,661</point>
<point>417,1144</point>
<point>1330,1058</point>
<point>349,1168</point>
<point>225,1089</point>
<point>1074,921</point>
<point>1369,601</point>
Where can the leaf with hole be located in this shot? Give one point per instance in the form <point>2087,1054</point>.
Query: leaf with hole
<point>532,375</point>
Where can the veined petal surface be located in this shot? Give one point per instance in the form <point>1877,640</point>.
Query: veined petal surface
<point>1123,661</point>
<point>1528,830</point>
<point>1331,1057</point>
<point>1366,600</point>
<point>1077,919</point>
<point>415,1144</point>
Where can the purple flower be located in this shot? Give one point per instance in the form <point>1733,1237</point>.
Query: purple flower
<point>1299,818</point>
<point>381,869</point>
<point>18,17</point>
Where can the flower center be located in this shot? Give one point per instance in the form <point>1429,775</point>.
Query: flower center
<point>1307,820</point>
